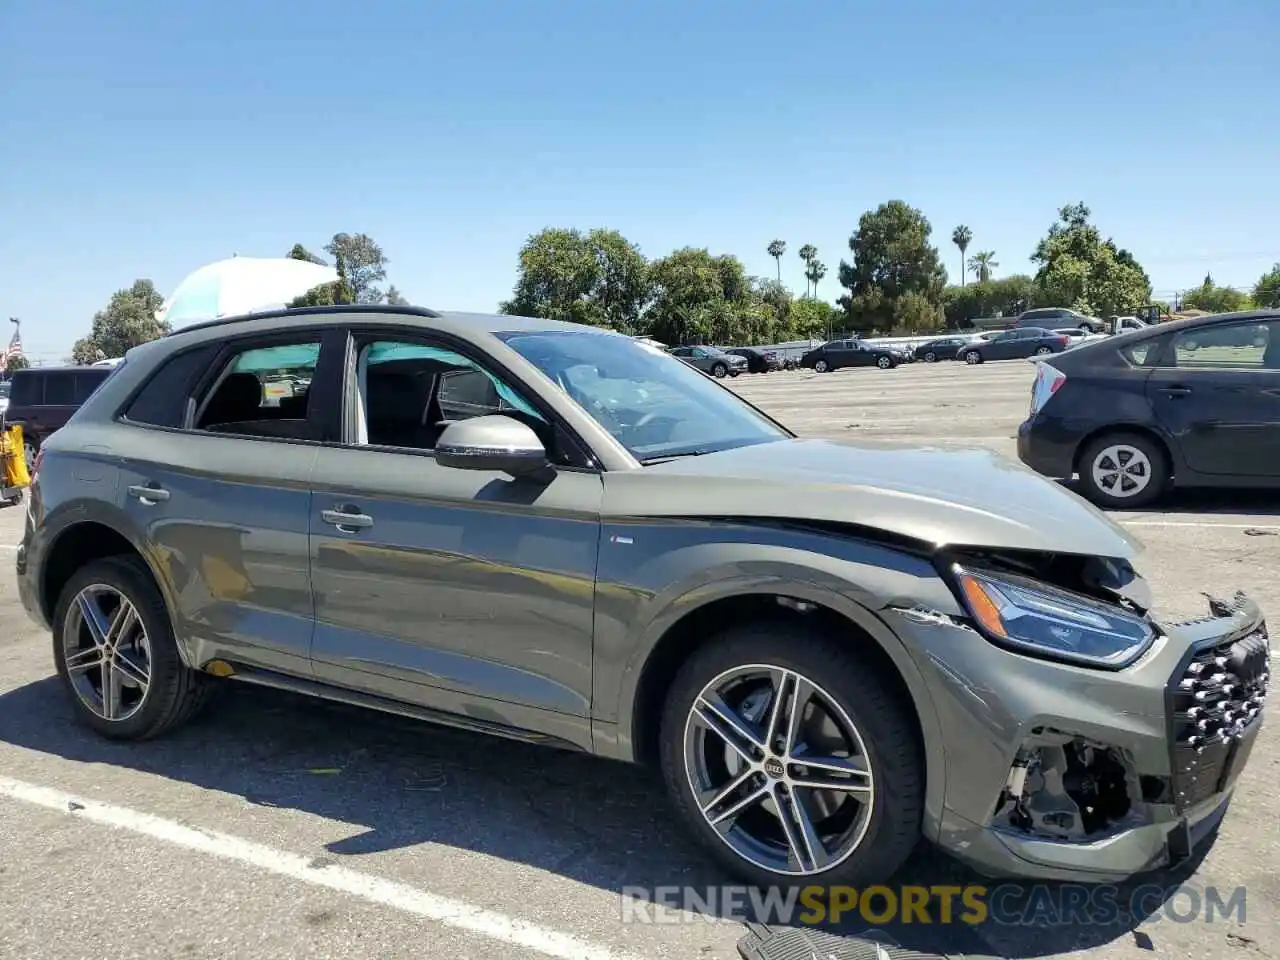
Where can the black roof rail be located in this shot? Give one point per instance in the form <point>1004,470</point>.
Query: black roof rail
<point>310,311</point>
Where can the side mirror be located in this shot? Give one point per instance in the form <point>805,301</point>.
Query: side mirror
<point>491,443</point>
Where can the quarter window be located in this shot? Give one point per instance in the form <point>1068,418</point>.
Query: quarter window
<point>265,392</point>
<point>162,402</point>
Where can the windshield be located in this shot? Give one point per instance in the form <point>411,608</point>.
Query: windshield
<point>654,404</point>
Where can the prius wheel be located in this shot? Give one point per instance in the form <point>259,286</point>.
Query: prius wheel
<point>114,649</point>
<point>786,778</point>
<point>1124,470</point>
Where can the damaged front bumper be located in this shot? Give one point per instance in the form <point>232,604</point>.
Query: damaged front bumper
<point>1063,772</point>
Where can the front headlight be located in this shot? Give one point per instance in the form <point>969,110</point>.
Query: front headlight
<point>1043,621</point>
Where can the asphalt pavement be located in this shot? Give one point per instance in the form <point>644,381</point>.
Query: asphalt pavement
<point>280,827</point>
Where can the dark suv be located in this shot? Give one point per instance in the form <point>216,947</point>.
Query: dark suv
<point>42,399</point>
<point>559,535</point>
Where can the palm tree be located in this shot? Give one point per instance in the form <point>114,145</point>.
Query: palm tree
<point>981,264</point>
<point>815,272</point>
<point>962,236</point>
<point>808,253</point>
<point>776,250</point>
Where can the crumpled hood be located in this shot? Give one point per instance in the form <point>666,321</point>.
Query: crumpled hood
<point>971,497</point>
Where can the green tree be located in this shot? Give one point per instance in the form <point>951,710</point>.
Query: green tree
<point>1080,270</point>
<point>395,298</point>
<point>361,263</point>
<point>325,295</point>
<point>962,236</point>
<point>598,278</point>
<point>981,265</point>
<point>1266,292</point>
<point>20,362</point>
<point>1212,298</point>
<point>892,257</point>
<point>1006,297</point>
<point>811,319</point>
<point>700,297</point>
<point>776,249</point>
<point>808,253</point>
<point>128,319</point>
<point>814,273</point>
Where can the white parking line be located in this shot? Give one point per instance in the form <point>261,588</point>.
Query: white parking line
<point>398,896</point>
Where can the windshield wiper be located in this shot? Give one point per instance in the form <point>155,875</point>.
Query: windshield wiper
<point>674,456</point>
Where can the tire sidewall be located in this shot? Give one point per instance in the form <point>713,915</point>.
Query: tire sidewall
<point>135,583</point>
<point>719,370</point>
<point>898,793</point>
<point>1154,490</point>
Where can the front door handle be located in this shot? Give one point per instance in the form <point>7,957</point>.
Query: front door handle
<point>348,519</point>
<point>148,493</point>
<point>1176,390</point>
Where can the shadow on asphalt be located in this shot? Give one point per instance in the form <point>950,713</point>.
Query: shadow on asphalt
<point>404,783</point>
<point>1224,502</point>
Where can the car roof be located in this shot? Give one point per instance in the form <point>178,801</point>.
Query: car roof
<point>67,368</point>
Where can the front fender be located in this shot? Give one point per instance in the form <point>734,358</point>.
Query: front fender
<point>637,606</point>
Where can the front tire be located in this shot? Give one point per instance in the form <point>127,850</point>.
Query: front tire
<point>115,651</point>
<point>719,370</point>
<point>884,363</point>
<point>930,357</point>
<point>972,357</point>
<point>850,815</point>
<point>1124,471</point>
<point>821,366</point>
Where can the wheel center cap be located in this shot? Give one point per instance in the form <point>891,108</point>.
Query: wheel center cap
<point>773,768</point>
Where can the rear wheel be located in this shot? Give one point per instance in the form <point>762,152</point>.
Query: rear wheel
<point>787,755</point>
<point>115,651</point>
<point>1124,471</point>
<point>1043,351</point>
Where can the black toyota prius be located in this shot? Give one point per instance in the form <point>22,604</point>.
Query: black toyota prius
<point>1191,403</point>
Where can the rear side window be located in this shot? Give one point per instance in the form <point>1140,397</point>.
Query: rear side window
<point>59,389</point>
<point>162,402</point>
<point>1145,353</point>
<point>87,383</point>
<point>26,390</point>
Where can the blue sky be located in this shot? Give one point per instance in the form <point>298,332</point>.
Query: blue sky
<point>145,138</point>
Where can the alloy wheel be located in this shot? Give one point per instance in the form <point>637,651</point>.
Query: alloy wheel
<point>1121,471</point>
<point>972,357</point>
<point>820,366</point>
<point>107,653</point>
<point>884,363</point>
<point>930,357</point>
<point>1043,351</point>
<point>778,770</point>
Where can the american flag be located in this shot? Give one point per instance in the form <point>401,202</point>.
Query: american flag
<point>15,350</point>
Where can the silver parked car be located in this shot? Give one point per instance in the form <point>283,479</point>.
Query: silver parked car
<point>560,535</point>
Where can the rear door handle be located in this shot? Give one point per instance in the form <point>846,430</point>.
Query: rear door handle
<point>1176,390</point>
<point>347,519</point>
<point>148,493</point>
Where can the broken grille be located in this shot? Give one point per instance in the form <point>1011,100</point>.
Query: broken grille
<point>1216,702</point>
